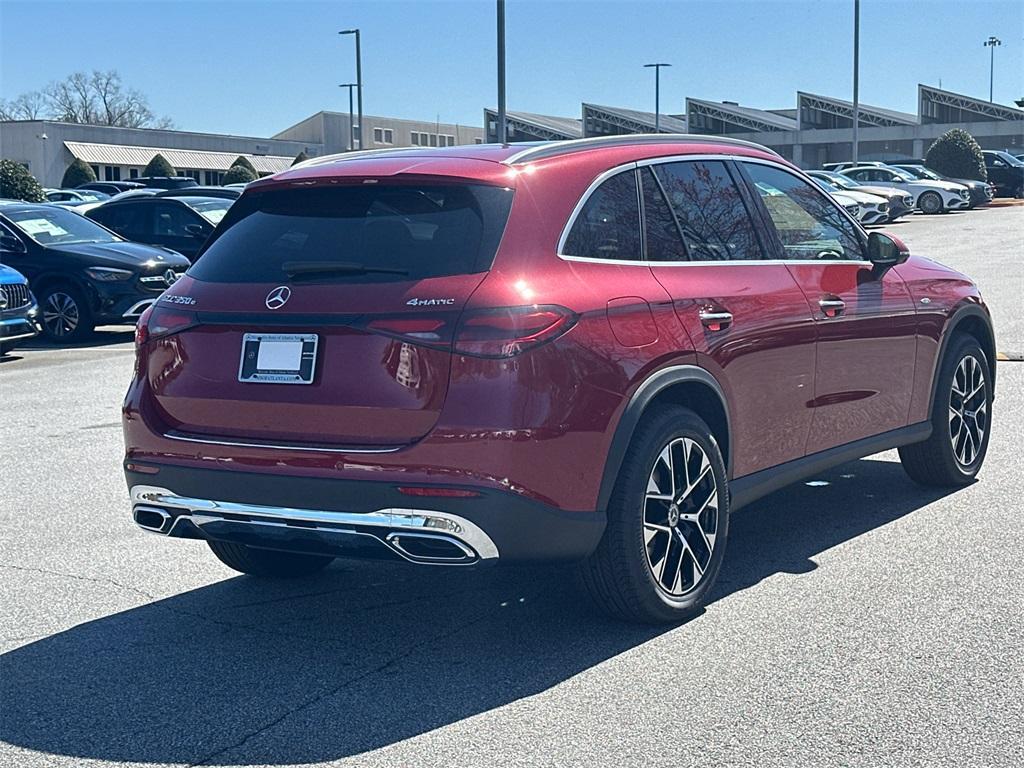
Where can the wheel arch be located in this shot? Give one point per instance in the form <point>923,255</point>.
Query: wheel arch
<point>970,320</point>
<point>687,385</point>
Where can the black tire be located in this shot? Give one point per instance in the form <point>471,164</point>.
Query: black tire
<point>268,562</point>
<point>620,574</point>
<point>930,202</point>
<point>940,460</point>
<point>65,314</point>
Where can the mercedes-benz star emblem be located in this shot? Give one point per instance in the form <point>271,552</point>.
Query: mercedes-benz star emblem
<point>170,277</point>
<point>278,297</point>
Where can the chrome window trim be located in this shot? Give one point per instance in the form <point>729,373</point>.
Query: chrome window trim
<point>637,164</point>
<point>551,149</point>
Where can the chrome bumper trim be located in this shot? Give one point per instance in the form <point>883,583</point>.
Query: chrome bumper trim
<point>387,524</point>
<point>136,309</point>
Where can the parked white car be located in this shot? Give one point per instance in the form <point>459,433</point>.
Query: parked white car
<point>873,209</point>
<point>929,196</point>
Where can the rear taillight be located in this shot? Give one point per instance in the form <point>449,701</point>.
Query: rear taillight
<point>497,333</point>
<point>157,322</point>
<point>509,331</point>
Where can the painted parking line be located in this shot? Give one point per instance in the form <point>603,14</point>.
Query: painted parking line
<point>1015,357</point>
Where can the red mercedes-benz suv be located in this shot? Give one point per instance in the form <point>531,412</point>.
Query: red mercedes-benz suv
<point>589,350</point>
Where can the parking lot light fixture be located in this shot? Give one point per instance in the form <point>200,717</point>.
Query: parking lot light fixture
<point>351,120</point>
<point>359,81</point>
<point>991,44</point>
<point>657,94</point>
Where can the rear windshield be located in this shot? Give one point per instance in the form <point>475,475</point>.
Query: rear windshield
<point>407,232</point>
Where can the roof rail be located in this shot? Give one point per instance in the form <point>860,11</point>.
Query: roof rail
<point>558,148</point>
<point>353,155</point>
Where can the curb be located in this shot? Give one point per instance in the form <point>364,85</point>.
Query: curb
<point>1010,357</point>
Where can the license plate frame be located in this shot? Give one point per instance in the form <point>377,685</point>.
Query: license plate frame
<point>300,371</point>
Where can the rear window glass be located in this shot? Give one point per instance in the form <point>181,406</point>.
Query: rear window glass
<point>407,232</point>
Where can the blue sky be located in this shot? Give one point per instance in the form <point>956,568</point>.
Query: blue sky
<point>254,68</point>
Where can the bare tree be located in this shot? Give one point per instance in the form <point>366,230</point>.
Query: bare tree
<point>28,106</point>
<point>98,98</point>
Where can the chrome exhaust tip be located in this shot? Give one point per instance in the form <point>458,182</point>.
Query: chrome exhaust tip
<point>151,519</point>
<point>430,548</point>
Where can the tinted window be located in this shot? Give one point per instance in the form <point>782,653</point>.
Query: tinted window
<point>121,218</point>
<point>710,210</point>
<point>809,225</point>
<point>424,231</point>
<point>664,240</point>
<point>608,227</point>
<point>173,221</point>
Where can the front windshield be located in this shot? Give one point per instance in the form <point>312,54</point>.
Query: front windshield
<point>59,226</point>
<point>844,182</point>
<point>1010,159</point>
<point>905,176</point>
<point>211,210</point>
<point>830,188</point>
<point>924,173</point>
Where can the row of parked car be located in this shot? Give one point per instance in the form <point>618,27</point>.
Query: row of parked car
<point>99,254</point>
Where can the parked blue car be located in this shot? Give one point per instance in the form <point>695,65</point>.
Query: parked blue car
<point>18,309</point>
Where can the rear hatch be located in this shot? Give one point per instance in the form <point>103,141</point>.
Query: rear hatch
<point>324,315</point>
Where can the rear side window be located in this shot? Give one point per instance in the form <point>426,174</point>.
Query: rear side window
<point>409,232</point>
<point>661,230</point>
<point>709,208</point>
<point>608,226</point>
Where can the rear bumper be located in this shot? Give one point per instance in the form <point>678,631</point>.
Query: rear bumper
<point>349,518</point>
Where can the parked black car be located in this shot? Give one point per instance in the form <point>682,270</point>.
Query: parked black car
<point>82,274</point>
<point>18,309</point>
<point>110,187</point>
<point>1005,172</point>
<point>167,182</point>
<point>179,223</point>
<point>981,191</point>
<point>228,193</point>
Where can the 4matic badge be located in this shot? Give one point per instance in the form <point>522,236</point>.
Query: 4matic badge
<point>429,302</point>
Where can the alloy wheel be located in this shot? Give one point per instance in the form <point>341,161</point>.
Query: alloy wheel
<point>60,314</point>
<point>680,517</point>
<point>930,202</point>
<point>968,410</point>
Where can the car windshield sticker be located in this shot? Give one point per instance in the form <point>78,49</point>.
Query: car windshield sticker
<point>41,227</point>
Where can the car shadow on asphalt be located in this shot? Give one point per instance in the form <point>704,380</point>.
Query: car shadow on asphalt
<point>366,655</point>
<point>99,338</point>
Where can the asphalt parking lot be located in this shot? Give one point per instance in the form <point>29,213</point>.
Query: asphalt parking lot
<point>858,621</point>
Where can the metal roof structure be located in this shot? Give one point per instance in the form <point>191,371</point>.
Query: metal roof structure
<point>743,118</point>
<point>122,154</point>
<point>868,115</point>
<point>930,98</point>
<point>599,120</point>
<point>542,127</point>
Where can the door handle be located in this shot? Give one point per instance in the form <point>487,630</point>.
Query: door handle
<point>832,307</point>
<point>715,321</point>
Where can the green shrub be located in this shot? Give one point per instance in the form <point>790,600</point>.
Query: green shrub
<point>158,166</point>
<point>243,161</point>
<point>79,172</point>
<point>300,158</point>
<point>956,154</point>
<point>16,183</point>
<point>238,174</point>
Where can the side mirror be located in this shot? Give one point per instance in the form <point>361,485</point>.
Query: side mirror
<point>198,231</point>
<point>885,252</point>
<point>11,244</point>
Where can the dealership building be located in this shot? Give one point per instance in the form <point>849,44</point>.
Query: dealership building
<point>816,130</point>
<point>47,147</point>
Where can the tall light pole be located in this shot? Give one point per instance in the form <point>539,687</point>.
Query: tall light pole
<point>351,121</point>
<point>502,127</point>
<point>657,94</point>
<point>359,82</point>
<point>856,80</point>
<point>991,44</point>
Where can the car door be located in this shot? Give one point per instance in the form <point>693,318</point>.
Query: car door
<point>745,315</point>
<point>866,325</point>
